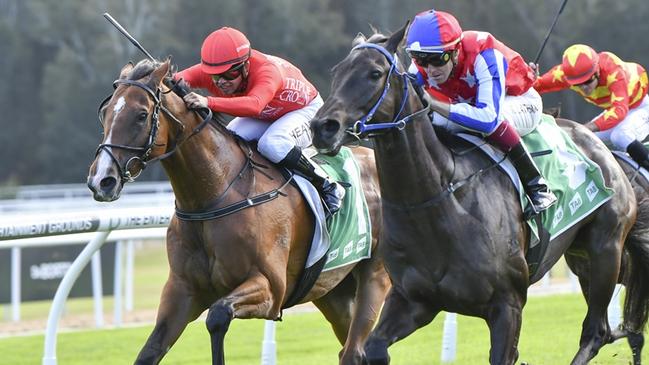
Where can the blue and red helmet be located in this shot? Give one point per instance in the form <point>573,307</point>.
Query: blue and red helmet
<point>433,32</point>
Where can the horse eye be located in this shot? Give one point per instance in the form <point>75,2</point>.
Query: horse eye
<point>376,74</point>
<point>142,116</point>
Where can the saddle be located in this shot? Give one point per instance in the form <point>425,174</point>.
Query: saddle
<point>575,180</point>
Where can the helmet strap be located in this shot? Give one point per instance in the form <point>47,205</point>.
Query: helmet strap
<point>244,76</point>
<point>455,58</point>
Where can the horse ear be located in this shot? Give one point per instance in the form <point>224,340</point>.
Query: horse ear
<point>159,73</point>
<point>125,70</point>
<point>396,38</point>
<point>173,68</point>
<point>360,38</point>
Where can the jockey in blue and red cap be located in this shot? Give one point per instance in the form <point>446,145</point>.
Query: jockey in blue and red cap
<point>479,84</point>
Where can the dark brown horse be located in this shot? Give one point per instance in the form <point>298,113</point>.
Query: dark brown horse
<point>453,235</point>
<point>242,265</point>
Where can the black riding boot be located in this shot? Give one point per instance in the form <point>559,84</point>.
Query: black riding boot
<point>639,154</point>
<point>534,184</point>
<point>332,193</point>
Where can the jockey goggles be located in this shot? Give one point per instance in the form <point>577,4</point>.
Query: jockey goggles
<point>231,74</point>
<point>424,59</point>
<point>591,79</point>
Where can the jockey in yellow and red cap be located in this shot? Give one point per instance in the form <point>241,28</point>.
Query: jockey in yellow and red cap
<point>480,84</point>
<point>619,87</point>
<point>270,98</point>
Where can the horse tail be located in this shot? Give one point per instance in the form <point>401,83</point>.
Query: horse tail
<point>636,272</point>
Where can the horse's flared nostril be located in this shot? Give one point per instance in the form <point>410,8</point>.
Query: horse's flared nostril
<point>331,127</point>
<point>325,128</point>
<point>107,184</point>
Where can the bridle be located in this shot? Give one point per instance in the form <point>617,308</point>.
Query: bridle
<point>361,129</point>
<point>145,151</point>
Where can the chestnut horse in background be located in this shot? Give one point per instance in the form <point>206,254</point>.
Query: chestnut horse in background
<point>454,238</point>
<point>241,265</point>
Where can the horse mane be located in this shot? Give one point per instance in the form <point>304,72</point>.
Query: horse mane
<point>142,69</point>
<point>145,67</point>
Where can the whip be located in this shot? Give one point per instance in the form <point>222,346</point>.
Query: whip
<point>538,55</point>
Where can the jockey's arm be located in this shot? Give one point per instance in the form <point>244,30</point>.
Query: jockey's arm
<point>438,106</point>
<point>481,114</point>
<point>618,107</point>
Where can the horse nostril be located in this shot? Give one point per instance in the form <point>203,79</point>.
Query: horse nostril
<point>331,127</point>
<point>107,183</point>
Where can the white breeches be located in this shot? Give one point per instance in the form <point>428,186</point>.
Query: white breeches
<point>276,139</point>
<point>635,127</point>
<point>523,112</point>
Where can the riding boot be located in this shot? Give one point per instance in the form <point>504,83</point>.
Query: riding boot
<point>331,192</point>
<point>639,154</point>
<point>534,184</point>
<point>507,139</point>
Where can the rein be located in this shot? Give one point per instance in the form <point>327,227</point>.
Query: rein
<point>361,128</point>
<point>126,176</point>
<point>450,189</point>
<point>240,205</point>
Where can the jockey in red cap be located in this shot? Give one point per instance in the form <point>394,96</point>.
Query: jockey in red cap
<point>618,87</point>
<point>479,84</point>
<point>271,99</point>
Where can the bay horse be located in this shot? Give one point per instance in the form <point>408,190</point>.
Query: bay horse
<point>241,265</point>
<point>454,238</point>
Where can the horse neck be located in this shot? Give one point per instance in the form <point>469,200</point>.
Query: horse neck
<point>413,156</point>
<point>204,165</point>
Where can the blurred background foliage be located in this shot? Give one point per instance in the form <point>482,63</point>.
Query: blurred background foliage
<point>58,58</point>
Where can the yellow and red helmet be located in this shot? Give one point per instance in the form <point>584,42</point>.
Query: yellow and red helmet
<point>579,63</point>
<point>222,49</point>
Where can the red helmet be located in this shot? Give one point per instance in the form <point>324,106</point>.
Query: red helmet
<point>222,49</point>
<point>579,63</point>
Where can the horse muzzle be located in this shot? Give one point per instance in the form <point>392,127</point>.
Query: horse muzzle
<point>104,182</point>
<point>107,189</point>
<point>327,135</point>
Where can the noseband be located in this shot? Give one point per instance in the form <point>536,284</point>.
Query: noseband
<point>361,128</point>
<point>145,151</point>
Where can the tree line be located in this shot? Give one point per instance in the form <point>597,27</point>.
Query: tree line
<point>59,59</point>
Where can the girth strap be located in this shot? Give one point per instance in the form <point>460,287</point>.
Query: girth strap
<point>232,208</point>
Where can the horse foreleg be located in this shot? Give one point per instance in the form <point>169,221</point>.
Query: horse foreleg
<point>352,310</point>
<point>400,317</point>
<point>177,308</point>
<point>372,285</point>
<point>252,299</point>
<point>336,306</point>
<point>218,321</point>
<point>504,320</point>
<point>636,342</point>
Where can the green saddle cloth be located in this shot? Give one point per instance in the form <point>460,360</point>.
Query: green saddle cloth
<point>575,179</point>
<point>350,229</point>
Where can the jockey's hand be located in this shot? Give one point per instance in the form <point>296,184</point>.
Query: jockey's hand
<point>535,68</point>
<point>195,101</point>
